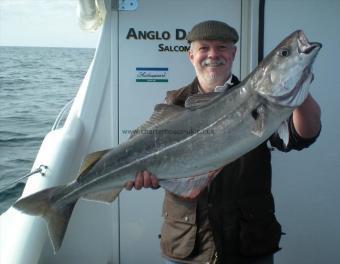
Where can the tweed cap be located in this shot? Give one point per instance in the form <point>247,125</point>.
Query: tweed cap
<point>212,30</point>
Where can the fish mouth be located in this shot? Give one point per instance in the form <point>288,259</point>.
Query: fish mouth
<point>306,47</point>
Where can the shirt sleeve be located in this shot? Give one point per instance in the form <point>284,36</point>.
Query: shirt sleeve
<point>295,140</point>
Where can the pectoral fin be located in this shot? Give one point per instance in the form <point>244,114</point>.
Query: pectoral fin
<point>259,117</point>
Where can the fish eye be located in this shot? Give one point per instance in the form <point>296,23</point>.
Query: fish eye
<point>284,52</point>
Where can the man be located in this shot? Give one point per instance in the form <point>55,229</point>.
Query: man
<point>231,221</point>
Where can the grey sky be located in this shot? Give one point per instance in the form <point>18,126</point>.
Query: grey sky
<point>44,23</point>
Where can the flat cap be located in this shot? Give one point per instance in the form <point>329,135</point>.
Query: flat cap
<point>212,30</point>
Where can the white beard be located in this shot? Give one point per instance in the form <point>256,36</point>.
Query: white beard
<point>213,77</point>
<point>209,77</point>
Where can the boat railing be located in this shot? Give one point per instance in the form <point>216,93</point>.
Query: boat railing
<point>60,120</point>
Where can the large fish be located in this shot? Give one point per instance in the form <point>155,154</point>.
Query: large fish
<point>183,147</point>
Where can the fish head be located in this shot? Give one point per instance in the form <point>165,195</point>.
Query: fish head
<point>284,76</point>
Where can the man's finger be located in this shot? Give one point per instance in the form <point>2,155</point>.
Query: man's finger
<point>129,185</point>
<point>146,179</point>
<point>154,181</point>
<point>139,181</point>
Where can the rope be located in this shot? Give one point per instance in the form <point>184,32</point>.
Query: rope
<point>41,170</point>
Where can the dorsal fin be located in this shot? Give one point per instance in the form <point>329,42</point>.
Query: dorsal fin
<point>90,160</point>
<point>200,100</point>
<point>161,114</point>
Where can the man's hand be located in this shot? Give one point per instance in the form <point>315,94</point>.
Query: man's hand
<point>306,118</point>
<point>144,179</point>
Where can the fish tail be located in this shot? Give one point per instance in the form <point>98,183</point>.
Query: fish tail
<point>56,216</point>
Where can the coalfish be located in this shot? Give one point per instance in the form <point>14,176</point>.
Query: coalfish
<point>185,146</point>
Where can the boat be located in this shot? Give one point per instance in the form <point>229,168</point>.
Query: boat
<point>140,51</point>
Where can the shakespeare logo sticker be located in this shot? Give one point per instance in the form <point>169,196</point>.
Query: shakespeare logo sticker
<point>151,74</point>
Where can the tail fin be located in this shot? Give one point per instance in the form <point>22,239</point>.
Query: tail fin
<point>56,216</point>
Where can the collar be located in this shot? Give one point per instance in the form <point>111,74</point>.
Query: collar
<point>220,88</point>
<point>225,86</point>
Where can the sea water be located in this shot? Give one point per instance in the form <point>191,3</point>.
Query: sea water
<point>35,84</point>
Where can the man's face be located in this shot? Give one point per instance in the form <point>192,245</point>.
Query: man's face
<point>212,60</point>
